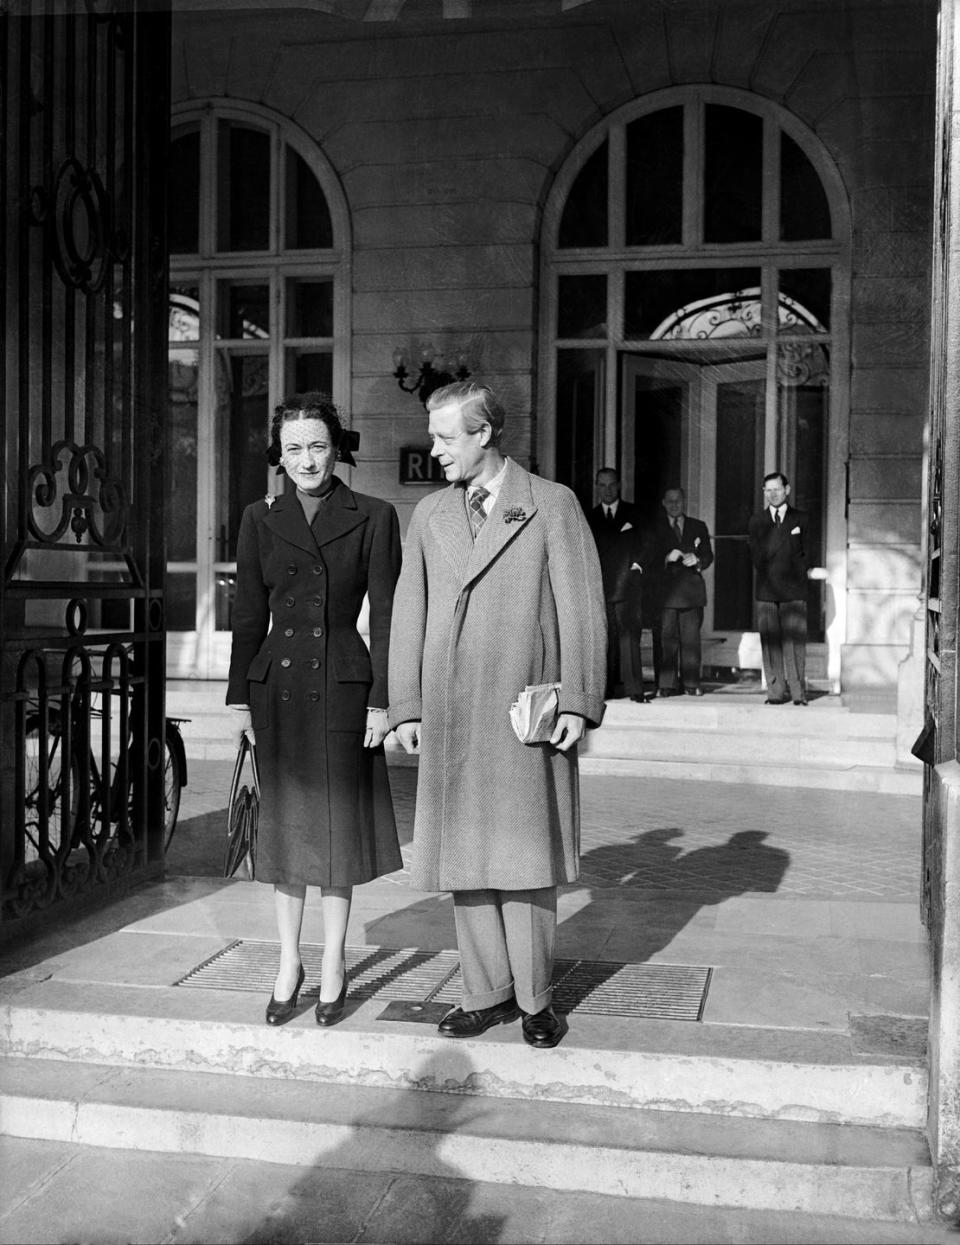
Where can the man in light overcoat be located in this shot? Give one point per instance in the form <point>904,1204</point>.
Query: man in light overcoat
<point>500,588</point>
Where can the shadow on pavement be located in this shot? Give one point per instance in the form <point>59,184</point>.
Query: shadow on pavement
<point>429,1203</point>
<point>672,885</point>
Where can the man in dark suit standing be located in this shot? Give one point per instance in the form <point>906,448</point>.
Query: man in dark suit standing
<point>682,551</point>
<point>778,539</point>
<point>616,527</point>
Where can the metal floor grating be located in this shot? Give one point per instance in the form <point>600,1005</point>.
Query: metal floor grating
<point>597,987</point>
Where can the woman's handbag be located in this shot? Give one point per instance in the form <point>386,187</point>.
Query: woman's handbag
<point>243,815</point>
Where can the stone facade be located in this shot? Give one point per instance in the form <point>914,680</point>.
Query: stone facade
<point>446,136</point>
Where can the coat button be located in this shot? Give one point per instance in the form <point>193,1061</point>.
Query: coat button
<point>317,569</point>
<point>290,601</point>
<point>292,568</point>
<point>285,662</point>
<point>288,632</point>
<point>314,695</point>
<point>318,600</point>
<point>314,663</point>
<point>284,695</point>
<point>318,631</point>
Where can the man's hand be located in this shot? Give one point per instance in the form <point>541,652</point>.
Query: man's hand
<point>409,735</point>
<point>674,555</point>
<point>691,559</point>
<point>570,728</point>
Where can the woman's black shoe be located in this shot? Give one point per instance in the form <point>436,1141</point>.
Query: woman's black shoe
<point>278,1013</point>
<point>330,1013</point>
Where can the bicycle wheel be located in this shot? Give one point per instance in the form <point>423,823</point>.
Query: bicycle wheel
<point>34,797</point>
<point>172,785</point>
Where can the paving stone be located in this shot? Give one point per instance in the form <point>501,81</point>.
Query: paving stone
<point>665,834</point>
<point>260,1202</point>
<point>104,1198</point>
<point>100,1197</point>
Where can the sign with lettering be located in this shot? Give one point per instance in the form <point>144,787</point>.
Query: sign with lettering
<point>417,467</point>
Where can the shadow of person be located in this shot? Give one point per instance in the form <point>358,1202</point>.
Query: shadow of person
<point>645,890</point>
<point>385,1178</point>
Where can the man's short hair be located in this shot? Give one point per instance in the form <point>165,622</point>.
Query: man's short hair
<point>609,471</point>
<point>777,475</point>
<point>478,406</point>
<point>674,488</point>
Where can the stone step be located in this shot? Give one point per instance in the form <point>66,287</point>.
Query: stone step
<point>682,1157</point>
<point>880,780</point>
<point>727,736</point>
<point>824,717</point>
<point>806,1076</point>
<point>653,741</point>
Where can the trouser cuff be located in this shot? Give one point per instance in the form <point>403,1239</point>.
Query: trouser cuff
<point>477,1002</point>
<point>537,1002</point>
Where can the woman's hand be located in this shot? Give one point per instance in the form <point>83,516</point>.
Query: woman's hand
<point>244,725</point>
<point>378,728</point>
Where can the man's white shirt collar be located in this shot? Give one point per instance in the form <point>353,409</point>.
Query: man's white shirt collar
<point>493,487</point>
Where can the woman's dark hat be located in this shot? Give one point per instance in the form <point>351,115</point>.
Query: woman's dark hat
<point>349,443</point>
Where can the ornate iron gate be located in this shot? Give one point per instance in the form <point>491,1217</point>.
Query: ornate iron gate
<point>84,117</point>
<point>942,570</point>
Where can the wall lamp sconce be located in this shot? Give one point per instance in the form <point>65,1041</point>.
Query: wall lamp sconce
<point>435,371</point>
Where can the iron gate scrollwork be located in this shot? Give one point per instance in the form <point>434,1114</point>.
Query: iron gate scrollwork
<point>84,118</point>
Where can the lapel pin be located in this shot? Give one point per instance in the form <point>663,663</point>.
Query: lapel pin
<point>269,499</point>
<point>516,514</point>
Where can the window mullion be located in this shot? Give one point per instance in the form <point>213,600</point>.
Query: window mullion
<point>209,164</point>
<point>770,218</point>
<point>770,319</point>
<point>277,191</point>
<point>617,198</point>
<point>693,172</point>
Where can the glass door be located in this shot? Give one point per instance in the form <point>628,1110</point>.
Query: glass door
<point>734,436</point>
<point>703,427</point>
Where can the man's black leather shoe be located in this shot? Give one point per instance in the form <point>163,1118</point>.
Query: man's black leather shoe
<point>461,1024</point>
<point>543,1029</point>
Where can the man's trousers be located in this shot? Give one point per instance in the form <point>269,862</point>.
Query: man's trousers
<point>680,632</point>
<point>783,643</point>
<point>624,660</point>
<point>506,941</point>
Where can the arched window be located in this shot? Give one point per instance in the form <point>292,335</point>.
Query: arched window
<point>259,289</point>
<point>695,285</point>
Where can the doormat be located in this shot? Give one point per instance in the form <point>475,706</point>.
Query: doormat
<point>423,985</point>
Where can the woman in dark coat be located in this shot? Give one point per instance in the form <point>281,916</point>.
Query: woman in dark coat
<point>312,694</point>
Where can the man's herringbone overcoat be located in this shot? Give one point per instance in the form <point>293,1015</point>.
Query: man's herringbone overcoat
<point>473,624</point>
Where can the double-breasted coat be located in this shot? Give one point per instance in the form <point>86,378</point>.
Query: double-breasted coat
<point>621,543</point>
<point>779,555</point>
<point>298,660</point>
<point>473,624</point>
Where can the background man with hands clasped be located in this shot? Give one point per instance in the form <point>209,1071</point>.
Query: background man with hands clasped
<point>500,588</point>
<point>682,551</point>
